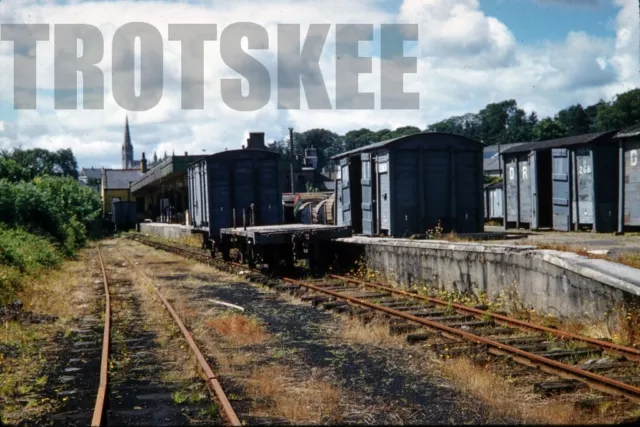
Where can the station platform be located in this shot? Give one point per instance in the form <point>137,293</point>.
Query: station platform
<point>563,284</point>
<point>167,231</point>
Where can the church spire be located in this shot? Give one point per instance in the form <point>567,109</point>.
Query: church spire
<point>127,147</point>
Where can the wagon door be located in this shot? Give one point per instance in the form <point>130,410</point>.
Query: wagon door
<point>533,176</point>
<point>383,193</point>
<point>267,182</point>
<point>367,195</point>
<point>511,188</point>
<point>561,189</point>
<point>346,193</point>
<point>244,189</point>
<point>583,209</point>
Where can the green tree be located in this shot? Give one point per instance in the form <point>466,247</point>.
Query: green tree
<point>575,119</point>
<point>24,165</point>
<point>549,128</point>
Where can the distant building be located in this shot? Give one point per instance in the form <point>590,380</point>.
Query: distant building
<point>115,185</point>
<point>492,164</point>
<point>91,177</point>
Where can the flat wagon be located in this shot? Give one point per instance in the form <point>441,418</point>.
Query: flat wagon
<point>282,243</point>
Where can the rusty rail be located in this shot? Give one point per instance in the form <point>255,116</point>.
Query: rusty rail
<point>630,352</point>
<point>212,380</point>
<point>548,365</point>
<point>98,410</point>
<point>596,381</point>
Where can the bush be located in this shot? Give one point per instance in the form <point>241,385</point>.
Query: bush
<point>10,283</point>
<point>27,252</point>
<point>58,207</point>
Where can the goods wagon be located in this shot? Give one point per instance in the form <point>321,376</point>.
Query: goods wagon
<point>493,197</point>
<point>123,214</point>
<point>234,188</point>
<point>563,183</point>
<point>407,185</point>
<point>629,178</point>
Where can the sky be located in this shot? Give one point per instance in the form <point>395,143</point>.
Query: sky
<point>545,54</point>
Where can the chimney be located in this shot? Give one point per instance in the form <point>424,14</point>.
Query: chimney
<point>256,141</point>
<point>185,153</point>
<point>143,164</point>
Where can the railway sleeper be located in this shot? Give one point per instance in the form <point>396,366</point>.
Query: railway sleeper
<point>522,340</point>
<point>563,354</point>
<point>411,308</point>
<point>403,328</point>
<point>334,304</point>
<point>315,299</point>
<point>368,295</point>
<point>549,388</point>
<point>498,330</point>
<point>287,288</point>
<point>592,367</point>
<point>424,336</point>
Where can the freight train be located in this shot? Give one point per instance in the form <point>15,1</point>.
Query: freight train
<point>235,201</point>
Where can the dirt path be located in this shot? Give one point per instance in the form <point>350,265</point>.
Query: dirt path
<point>279,358</point>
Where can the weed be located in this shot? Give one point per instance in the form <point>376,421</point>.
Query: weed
<point>179,397</point>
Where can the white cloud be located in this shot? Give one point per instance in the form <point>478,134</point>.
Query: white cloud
<point>466,60</point>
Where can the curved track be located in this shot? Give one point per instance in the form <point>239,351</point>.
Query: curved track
<point>533,345</point>
<point>102,395</point>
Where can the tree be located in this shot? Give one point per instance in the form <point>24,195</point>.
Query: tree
<point>549,129</point>
<point>24,165</point>
<point>575,119</point>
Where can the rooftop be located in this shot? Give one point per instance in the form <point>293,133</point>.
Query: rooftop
<point>118,179</point>
<point>629,132</point>
<point>382,144</point>
<point>562,142</point>
<point>166,169</point>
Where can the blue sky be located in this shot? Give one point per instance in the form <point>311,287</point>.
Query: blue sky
<point>534,21</point>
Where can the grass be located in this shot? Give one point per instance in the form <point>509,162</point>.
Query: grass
<point>507,399</point>
<point>238,329</point>
<point>21,373</point>
<point>310,401</point>
<point>374,332</point>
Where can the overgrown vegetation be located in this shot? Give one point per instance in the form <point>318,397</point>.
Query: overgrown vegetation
<point>45,214</point>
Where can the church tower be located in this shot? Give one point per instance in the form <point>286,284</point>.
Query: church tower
<point>127,148</point>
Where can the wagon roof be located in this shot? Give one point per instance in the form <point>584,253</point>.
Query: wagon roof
<point>629,132</point>
<point>388,142</point>
<point>560,142</point>
<point>232,152</point>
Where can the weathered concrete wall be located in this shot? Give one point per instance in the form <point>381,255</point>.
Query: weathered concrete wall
<point>558,283</point>
<point>168,231</point>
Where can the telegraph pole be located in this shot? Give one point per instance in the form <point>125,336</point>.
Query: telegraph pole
<point>291,158</point>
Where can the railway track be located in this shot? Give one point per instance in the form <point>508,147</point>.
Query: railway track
<point>574,361</point>
<point>129,391</point>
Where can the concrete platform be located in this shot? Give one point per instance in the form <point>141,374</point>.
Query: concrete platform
<point>559,283</point>
<point>167,231</point>
<point>608,244</point>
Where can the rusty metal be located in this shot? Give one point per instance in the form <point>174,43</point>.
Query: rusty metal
<point>212,380</point>
<point>630,352</point>
<point>548,365</point>
<point>98,409</point>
